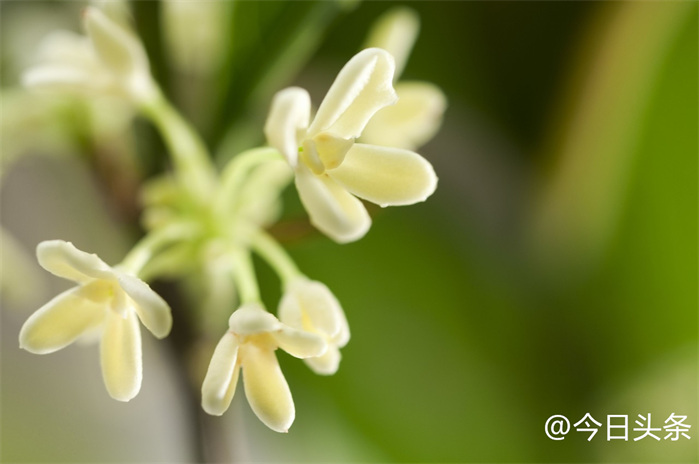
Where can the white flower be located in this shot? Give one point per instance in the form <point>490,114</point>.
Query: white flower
<point>417,115</point>
<point>331,169</point>
<point>249,345</point>
<point>106,299</point>
<point>109,61</point>
<point>396,32</point>
<point>411,122</point>
<point>309,305</point>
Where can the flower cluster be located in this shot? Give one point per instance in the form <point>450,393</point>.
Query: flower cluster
<point>200,221</point>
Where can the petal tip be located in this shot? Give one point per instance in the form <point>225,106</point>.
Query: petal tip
<point>91,12</point>
<point>212,409</point>
<point>164,333</point>
<point>124,395</point>
<point>27,346</point>
<point>346,236</point>
<point>280,428</point>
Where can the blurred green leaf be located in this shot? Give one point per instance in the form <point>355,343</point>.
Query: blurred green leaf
<point>594,144</point>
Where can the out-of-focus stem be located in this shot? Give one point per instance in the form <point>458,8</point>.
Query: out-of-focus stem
<point>149,245</point>
<point>275,255</point>
<point>209,439</point>
<point>244,276</point>
<point>193,165</point>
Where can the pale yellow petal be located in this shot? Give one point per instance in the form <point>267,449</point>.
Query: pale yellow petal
<point>287,121</point>
<point>327,364</point>
<point>60,322</point>
<point>299,343</point>
<point>266,388</point>
<point>152,310</point>
<point>412,121</point>
<point>343,335</point>
<point>290,311</point>
<point>119,11</point>
<point>330,207</point>
<point>120,354</point>
<point>311,305</point>
<point>64,260</point>
<point>252,319</point>
<point>119,301</point>
<point>118,49</point>
<point>386,176</point>
<point>66,62</point>
<point>222,376</point>
<point>395,31</point>
<point>331,149</point>
<point>67,48</point>
<point>363,86</point>
<point>59,77</point>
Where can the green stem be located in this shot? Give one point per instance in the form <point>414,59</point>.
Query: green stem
<point>149,245</point>
<point>193,165</point>
<point>275,255</point>
<point>244,276</point>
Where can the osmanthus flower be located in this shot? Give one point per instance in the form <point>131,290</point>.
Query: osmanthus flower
<point>249,345</point>
<point>107,300</point>
<point>110,60</point>
<point>417,115</point>
<point>411,122</point>
<point>331,170</point>
<point>309,305</point>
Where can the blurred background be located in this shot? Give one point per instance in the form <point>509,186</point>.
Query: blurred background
<point>554,271</point>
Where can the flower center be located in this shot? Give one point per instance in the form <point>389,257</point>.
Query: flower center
<point>325,151</point>
<point>262,341</point>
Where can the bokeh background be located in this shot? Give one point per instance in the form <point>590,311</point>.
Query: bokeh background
<point>554,271</point>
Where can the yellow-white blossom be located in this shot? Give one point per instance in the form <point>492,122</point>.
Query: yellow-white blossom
<point>395,31</point>
<point>411,122</point>
<point>331,169</point>
<point>309,305</point>
<point>108,300</point>
<point>249,345</point>
<point>110,60</point>
<point>417,115</point>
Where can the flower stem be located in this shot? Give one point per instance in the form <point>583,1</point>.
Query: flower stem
<point>244,276</point>
<point>149,245</point>
<point>193,165</point>
<point>275,255</point>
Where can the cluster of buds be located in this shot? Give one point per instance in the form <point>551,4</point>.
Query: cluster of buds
<point>357,146</point>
